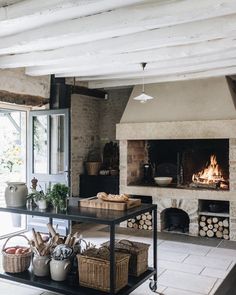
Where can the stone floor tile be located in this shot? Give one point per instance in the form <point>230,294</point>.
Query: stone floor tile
<point>145,290</point>
<point>171,256</point>
<point>7,288</point>
<point>172,291</point>
<point>188,268</point>
<point>187,282</point>
<point>185,248</point>
<point>216,286</point>
<point>214,262</point>
<point>221,252</point>
<point>214,273</point>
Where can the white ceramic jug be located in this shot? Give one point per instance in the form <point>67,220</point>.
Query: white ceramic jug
<point>15,194</point>
<point>59,269</point>
<point>41,265</point>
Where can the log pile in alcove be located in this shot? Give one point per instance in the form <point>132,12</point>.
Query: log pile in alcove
<point>214,227</point>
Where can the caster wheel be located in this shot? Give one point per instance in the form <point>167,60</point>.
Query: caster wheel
<point>153,286</point>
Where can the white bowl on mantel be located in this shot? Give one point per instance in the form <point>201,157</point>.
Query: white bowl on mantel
<point>163,181</point>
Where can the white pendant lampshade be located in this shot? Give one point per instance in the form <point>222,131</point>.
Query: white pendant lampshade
<point>143,97</point>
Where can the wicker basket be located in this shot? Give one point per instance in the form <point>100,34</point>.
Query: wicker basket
<point>93,167</point>
<point>138,262</point>
<point>15,263</point>
<point>94,270</point>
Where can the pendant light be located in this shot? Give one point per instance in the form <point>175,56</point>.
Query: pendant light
<point>143,97</point>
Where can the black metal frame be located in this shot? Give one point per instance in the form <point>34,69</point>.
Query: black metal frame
<point>99,216</point>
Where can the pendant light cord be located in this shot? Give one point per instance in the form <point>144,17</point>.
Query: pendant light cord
<point>143,66</point>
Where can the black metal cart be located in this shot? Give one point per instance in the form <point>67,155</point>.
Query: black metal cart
<point>99,216</point>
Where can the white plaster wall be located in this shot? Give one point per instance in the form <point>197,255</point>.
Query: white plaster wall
<point>194,100</point>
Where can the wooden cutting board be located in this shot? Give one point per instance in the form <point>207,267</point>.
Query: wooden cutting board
<point>94,202</point>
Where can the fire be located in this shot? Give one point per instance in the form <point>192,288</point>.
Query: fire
<point>211,175</point>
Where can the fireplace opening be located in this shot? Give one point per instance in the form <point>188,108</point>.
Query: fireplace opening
<point>201,163</point>
<point>174,219</point>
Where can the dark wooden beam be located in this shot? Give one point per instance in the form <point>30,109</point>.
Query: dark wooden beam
<point>232,87</point>
<point>22,99</point>
<point>88,92</point>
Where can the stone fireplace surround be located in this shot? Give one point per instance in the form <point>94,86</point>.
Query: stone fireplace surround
<point>185,199</point>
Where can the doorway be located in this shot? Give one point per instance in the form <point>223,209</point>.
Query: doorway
<point>49,157</point>
<point>12,162</point>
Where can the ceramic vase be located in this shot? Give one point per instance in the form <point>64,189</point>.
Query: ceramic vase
<point>15,194</point>
<point>41,265</point>
<point>59,269</point>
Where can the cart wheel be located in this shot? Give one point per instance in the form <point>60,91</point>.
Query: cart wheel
<point>153,286</point>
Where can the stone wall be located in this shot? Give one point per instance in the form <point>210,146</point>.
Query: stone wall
<point>93,123</point>
<point>111,111</point>
<point>85,117</point>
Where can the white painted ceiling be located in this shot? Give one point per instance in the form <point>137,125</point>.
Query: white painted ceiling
<point>103,42</point>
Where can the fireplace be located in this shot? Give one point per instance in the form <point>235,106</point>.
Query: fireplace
<point>191,128</point>
<point>182,195</point>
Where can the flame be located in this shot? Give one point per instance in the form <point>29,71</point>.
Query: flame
<point>212,174</point>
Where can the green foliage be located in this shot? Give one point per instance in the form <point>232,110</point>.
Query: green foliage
<point>11,157</point>
<point>37,196</point>
<point>58,195</point>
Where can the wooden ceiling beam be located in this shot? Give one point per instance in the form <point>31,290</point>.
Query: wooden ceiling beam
<point>98,68</point>
<point>220,72</point>
<point>75,55</point>
<point>30,14</point>
<point>140,22</point>
<point>177,70</point>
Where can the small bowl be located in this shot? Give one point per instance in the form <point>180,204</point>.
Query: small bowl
<point>163,181</point>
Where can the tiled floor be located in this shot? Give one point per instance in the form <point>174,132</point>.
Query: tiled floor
<point>184,267</point>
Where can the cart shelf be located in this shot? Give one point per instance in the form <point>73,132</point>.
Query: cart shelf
<point>100,216</point>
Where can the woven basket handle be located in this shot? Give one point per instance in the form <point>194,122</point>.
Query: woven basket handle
<point>127,243</point>
<point>103,248</point>
<point>23,236</point>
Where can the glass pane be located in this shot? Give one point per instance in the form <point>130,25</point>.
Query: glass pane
<point>12,163</point>
<point>40,144</point>
<point>57,144</point>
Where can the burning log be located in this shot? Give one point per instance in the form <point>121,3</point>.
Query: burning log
<point>210,177</point>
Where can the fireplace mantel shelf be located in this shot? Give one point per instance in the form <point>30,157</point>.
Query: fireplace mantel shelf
<point>177,193</point>
<point>175,186</point>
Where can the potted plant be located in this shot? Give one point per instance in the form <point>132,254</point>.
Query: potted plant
<point>58,196</point>
<point>39,198</point>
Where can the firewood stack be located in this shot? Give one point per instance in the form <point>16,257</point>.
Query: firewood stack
<point>143,221</point>
<point>214,227</point>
